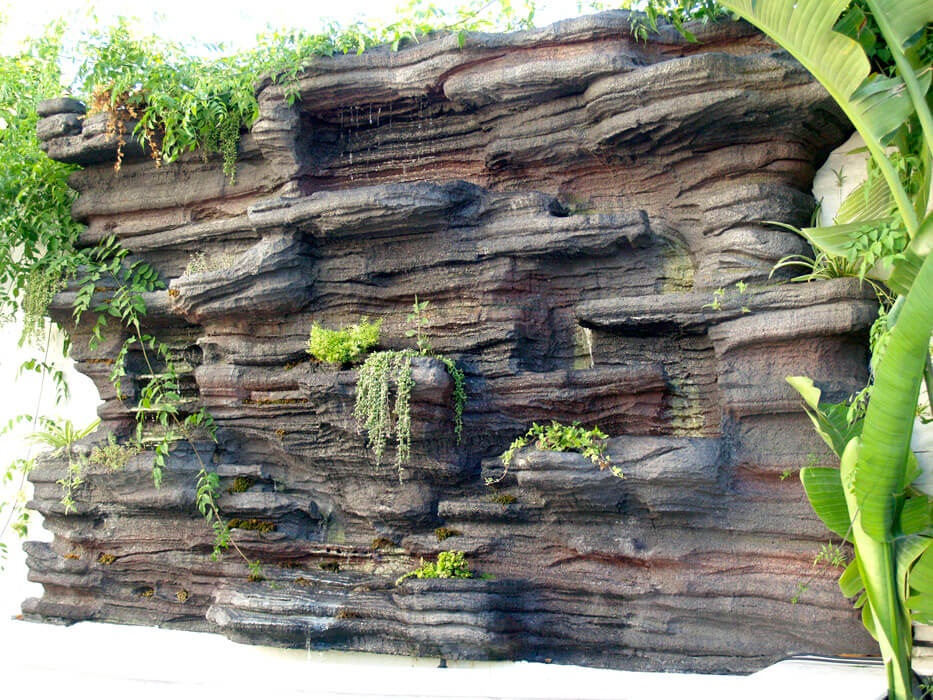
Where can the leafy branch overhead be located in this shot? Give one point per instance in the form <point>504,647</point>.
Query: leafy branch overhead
<point>178,101</point>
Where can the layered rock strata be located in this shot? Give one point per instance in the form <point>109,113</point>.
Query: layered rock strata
<point>583,212</point>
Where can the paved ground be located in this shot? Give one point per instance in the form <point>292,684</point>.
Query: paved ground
<point>111,661</point>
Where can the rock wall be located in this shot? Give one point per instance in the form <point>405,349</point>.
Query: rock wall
<point>569,200</point>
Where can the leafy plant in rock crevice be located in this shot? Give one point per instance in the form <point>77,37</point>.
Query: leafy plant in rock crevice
<point>559,438</point>
<point>346,345</point>
<point>449,565</point>
<point>61,437</point>
<point>374,411</point>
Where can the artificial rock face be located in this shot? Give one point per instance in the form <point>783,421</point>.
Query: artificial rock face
<point>569,201</point>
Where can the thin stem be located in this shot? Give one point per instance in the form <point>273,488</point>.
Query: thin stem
<point>184,432</point>
<point>35,419</point>
<point>928,380</point>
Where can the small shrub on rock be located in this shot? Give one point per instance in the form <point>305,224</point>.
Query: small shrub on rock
<point>346,345</point>
<point>449,565</point>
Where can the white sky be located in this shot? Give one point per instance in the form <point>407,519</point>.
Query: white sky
<point>230,21</point>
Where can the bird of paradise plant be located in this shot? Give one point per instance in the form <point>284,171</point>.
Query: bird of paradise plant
<point>869,500</point>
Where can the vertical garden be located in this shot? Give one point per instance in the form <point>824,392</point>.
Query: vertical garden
<point>461,334</point>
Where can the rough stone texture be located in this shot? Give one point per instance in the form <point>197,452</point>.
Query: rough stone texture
<point>568,200</point>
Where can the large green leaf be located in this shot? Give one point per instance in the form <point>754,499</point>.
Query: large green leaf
<point>836,239</point>
<point>906,17</point>
<point>889,420</point>
<point>905,270</point>
<point>829,419</point>
<point>883,615</point>
<point>899,22</point>
<point>915,515</point>
<point>871,200</point>
<point>805,29</point>
<point>921,608</point>
<point>921,575</point>
<point>850,583</point>
<point>906,551</point>
<point>824,491</point>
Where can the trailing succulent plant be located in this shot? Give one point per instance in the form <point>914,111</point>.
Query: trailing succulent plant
<point>377,414</point>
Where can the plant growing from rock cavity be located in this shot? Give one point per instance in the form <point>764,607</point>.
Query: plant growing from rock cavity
<point>113,455</point>
<point>61,437</point>
<point>449,565</point>
<point>378,417</point>
<point>557,437</point>
<point>345,346</point>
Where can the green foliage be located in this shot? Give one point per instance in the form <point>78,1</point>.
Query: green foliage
<point>876,243</point>
<point>459,394</point>
<point>721,297</point>
<point>184,102</point>
<point>418,317</point>
<point>800,590</point>
<point>37,233</point>
<point>61,437</point>
<point>251,524</point>
<point>449,565</point>
<point>869,496</point>
<point>255,572</point>
<point>375,413</point>
<point>346,345</point>
<point>832,555</point>
<point>559,438</point>
<point>676,12</point>
<point>113,455</point>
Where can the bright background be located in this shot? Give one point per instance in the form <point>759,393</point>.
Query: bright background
<point>233,21</point>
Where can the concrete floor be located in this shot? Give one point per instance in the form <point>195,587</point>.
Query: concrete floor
<point>110,661</point>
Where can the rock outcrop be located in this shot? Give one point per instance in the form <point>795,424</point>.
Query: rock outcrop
<point>578,207</point>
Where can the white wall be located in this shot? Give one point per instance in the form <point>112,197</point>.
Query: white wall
<point>21,395</point>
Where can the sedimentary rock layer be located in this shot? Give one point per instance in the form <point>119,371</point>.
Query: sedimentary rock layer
<point>578,208</point>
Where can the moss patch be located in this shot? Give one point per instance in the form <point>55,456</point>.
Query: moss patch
<point>241,484</point>
<point>251,524</point>
<point>442,533</point>
<point>505,499</point>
